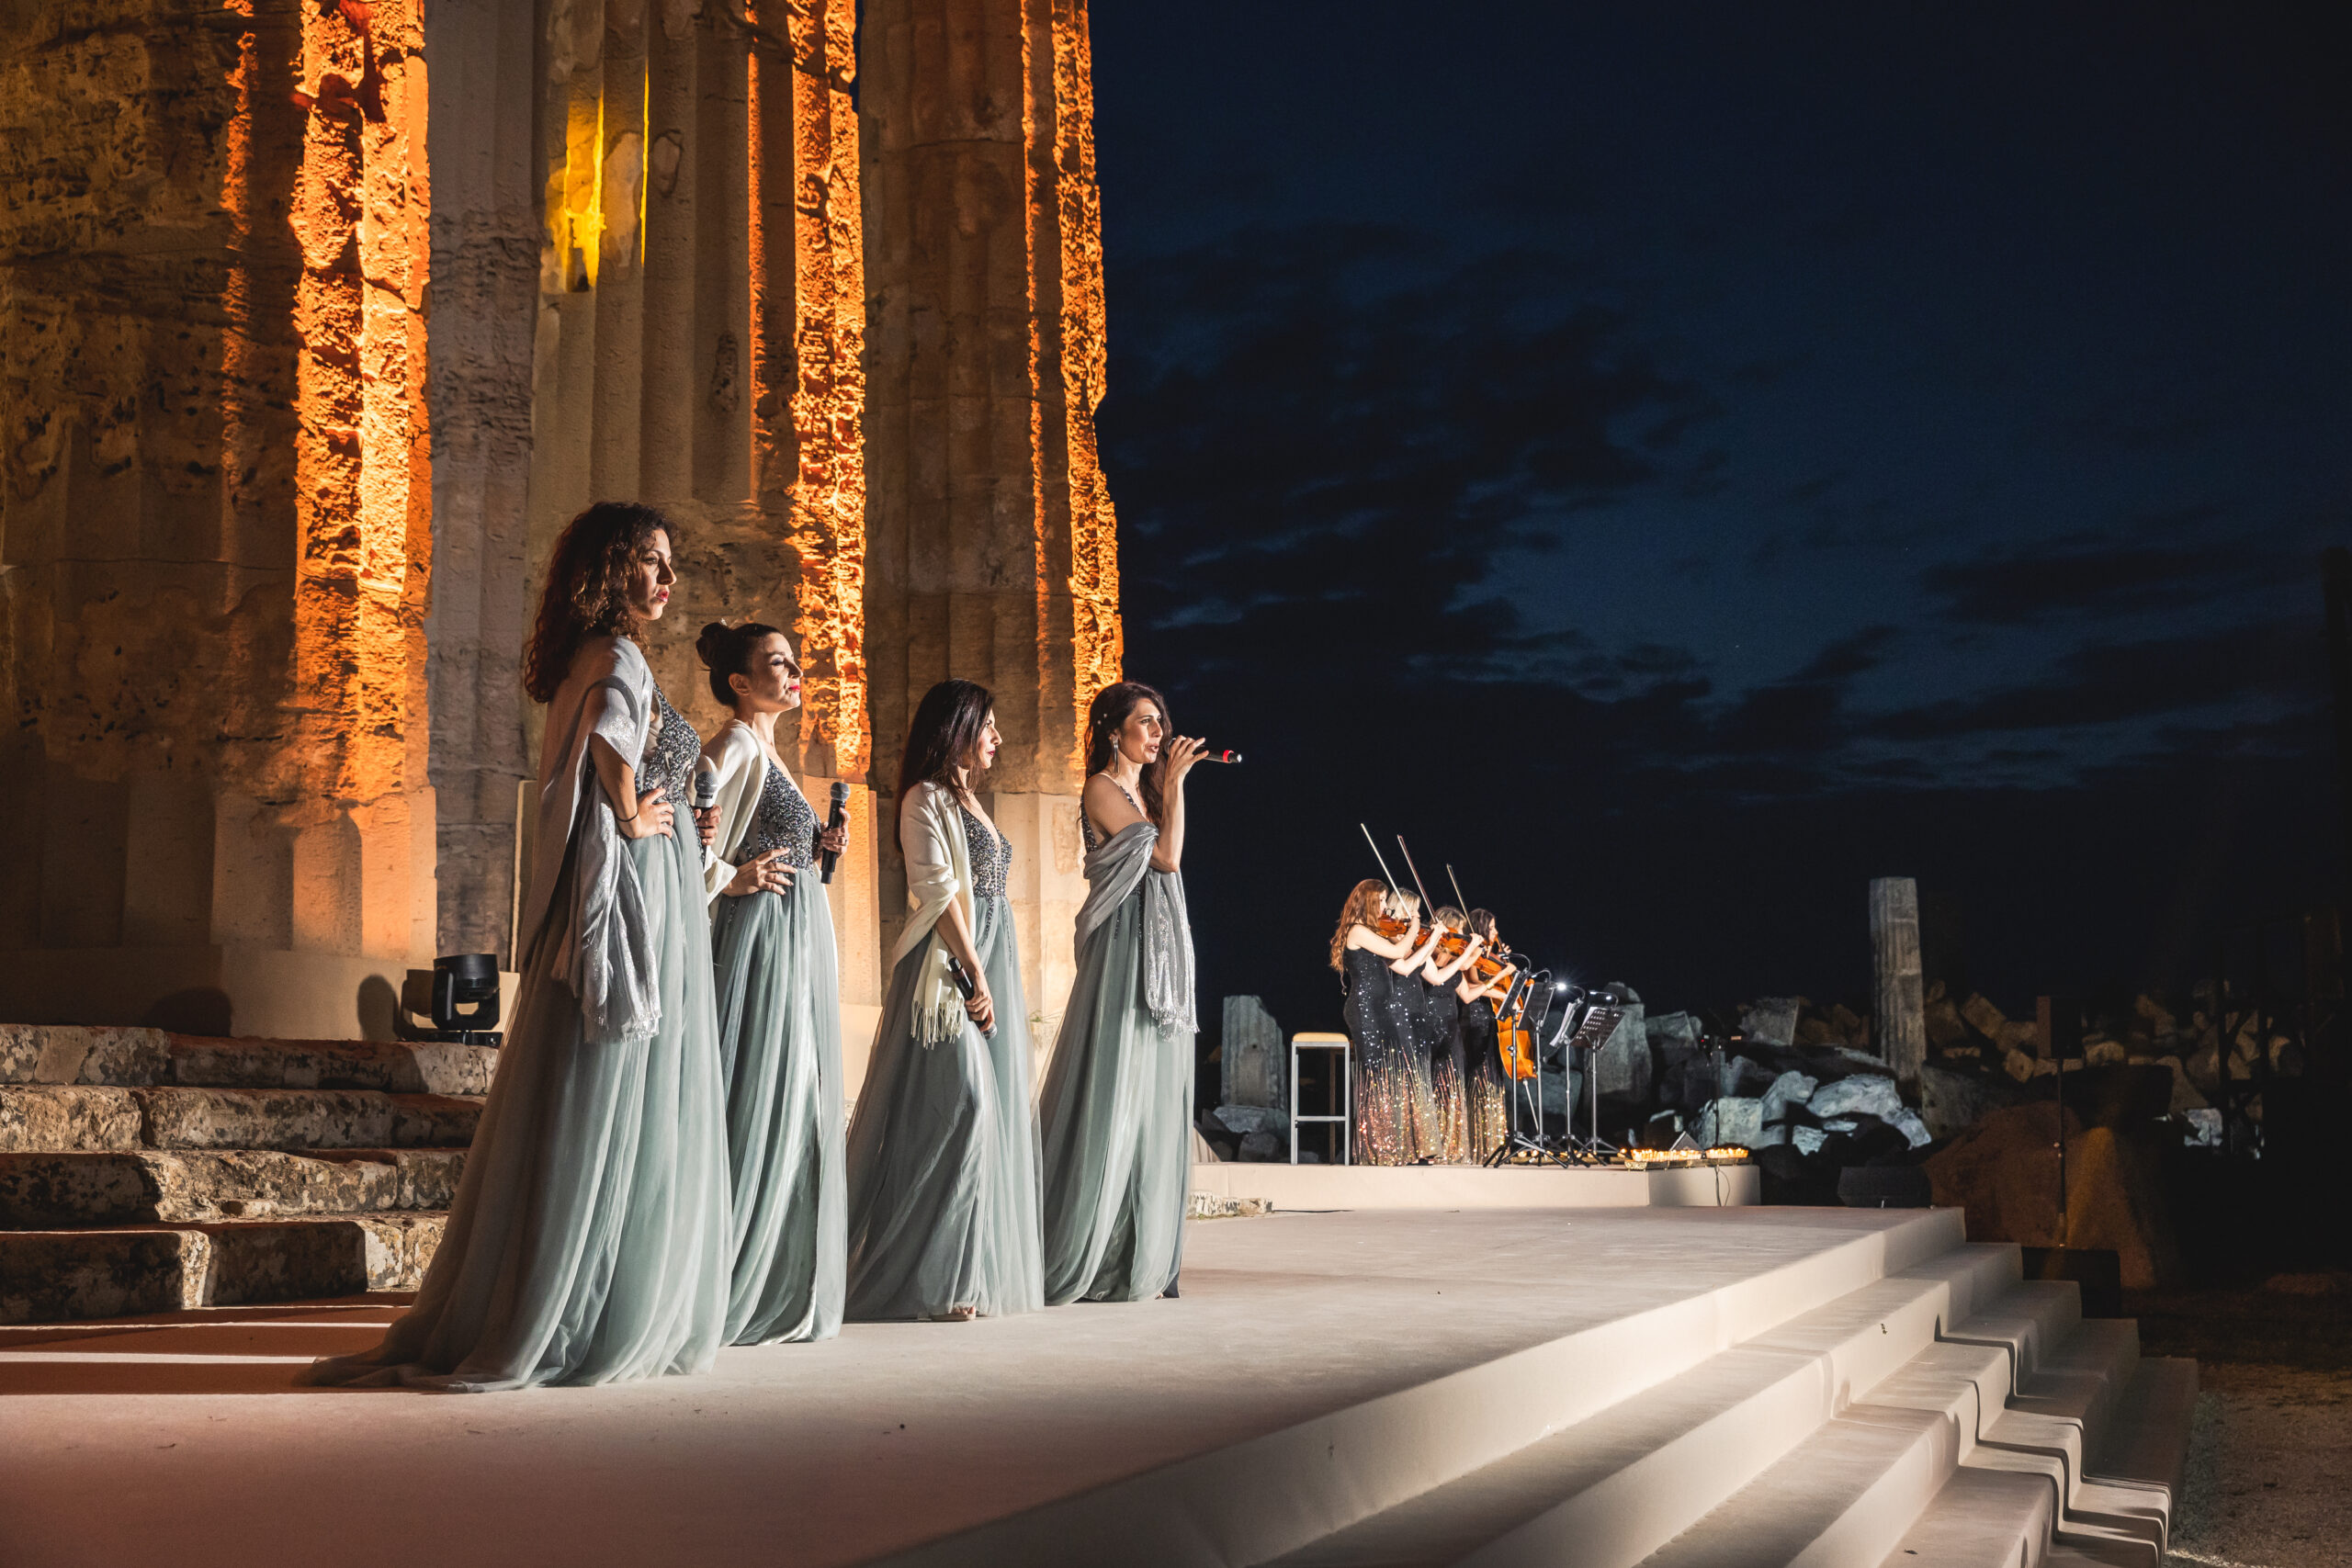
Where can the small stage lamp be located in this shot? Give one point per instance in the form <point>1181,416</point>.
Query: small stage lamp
<point>458,994</point>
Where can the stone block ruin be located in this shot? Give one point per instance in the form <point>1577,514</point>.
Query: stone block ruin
<point>318,322</point>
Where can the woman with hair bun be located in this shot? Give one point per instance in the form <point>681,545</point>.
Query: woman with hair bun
<point>1118,1107</point>
<point>779,1003</point>
<point>943,1152</point>
<point>588,1240</point>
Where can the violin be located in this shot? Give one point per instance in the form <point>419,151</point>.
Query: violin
<point>1484,967</point>
<point>1514,1043</point>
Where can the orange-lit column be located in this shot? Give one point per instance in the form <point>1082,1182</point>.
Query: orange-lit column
<point>991,552</point>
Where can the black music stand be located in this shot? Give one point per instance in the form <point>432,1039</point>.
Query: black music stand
<point>1531,1089</point>
<point>1593,1031</point>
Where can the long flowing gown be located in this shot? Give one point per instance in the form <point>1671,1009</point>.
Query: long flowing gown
<point>943,1149</point>
<point>1449,1082</point>
<point>1116,1110</point>
<point>1490,1091</point>
<point>1386,1117</point>
<point>780,1048</point>
<point>588,1240</point>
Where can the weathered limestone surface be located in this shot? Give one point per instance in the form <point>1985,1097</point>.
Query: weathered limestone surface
<point>68,1053</point>
<point>486,234</point>
<point>54,1276</point>
<point>990,550</point>
<point>396,1067</point>
<point>211,514</point>
<point>54,1191</point>
<point>1900,1016</point>
<point>303,1119</point>
<point>60,1116</point>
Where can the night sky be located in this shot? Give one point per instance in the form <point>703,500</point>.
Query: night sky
<point>1676,462</point>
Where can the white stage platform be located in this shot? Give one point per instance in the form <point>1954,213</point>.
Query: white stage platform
<point>1509,1385</point>
<point>1328,1187</point>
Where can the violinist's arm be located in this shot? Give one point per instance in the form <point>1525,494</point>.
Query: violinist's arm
<point>1441,973</point>
<point>1419,955</point>
<point>1371,941</point>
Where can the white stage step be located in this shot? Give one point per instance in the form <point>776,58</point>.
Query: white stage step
<point>1491,1387</point>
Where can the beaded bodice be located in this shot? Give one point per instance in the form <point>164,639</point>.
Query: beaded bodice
<point>783,820</point>
<point>992,856</point>
<point>1086,824</point>
<point>671,753</point>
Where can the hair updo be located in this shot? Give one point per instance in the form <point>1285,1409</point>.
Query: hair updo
<point>726,651</point>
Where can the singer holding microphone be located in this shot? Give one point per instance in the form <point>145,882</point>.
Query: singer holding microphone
<point>1117,1107</point>
<point>778,979</point>
<point>943,1154</point>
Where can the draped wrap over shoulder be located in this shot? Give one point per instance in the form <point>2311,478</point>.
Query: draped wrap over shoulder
<point>1112,870</point>
<point>604,944</point>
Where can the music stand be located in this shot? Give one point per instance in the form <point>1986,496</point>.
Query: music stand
<point>1520,997</point>
<point>1593,1033</point>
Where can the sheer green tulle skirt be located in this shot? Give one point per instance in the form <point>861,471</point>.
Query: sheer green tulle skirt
<point>588,1242</point>
<point>1117,1119</point>
<point>780,1049</point>
<point>943,1156</point>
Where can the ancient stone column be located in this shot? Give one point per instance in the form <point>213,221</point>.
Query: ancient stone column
<point>1901,1024</point>
<point>217,519</point>
<point>486,245</point>
<point>991,542</point>
<point>700,333</point>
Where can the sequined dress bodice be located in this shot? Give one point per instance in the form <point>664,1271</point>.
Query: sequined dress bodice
<point>783,820</point>
<point>670,757</point>
<point>992,857</point>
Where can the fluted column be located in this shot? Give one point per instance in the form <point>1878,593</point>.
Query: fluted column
<point>991,553</point>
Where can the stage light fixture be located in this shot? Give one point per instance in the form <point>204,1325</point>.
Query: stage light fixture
<point>458,994</point>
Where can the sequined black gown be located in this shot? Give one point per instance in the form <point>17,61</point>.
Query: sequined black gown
<point>1392,1099</point>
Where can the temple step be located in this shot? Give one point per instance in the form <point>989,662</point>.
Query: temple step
<point>46,1191</point>
<point>60,1276</point>
<point>77,1118</point>
<point>138,1058</point>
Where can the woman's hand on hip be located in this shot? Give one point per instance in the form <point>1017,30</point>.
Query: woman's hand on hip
<point>654,815</point>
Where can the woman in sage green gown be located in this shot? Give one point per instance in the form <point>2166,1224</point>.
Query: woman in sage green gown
<point>943,1150</point>
<point>1117,1113</point>
<point>588,1240</point>
<point>779,1004</point>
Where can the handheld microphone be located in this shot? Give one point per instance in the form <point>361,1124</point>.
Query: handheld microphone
<point>841,816</point>
<point>1233,757</point>
<point>706,796</point>
<point>964,981</point>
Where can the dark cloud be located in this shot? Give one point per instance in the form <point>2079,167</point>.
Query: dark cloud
<point>2108,683</point>
<point>2101,575</point>
<point>1382,435</point>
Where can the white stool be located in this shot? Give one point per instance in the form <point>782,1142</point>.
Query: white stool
<point>1346,1118</point>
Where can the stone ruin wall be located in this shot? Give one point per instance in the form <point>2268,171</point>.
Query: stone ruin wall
<point>647,254</point>
<point>992,549</point>
<point>213,519</point>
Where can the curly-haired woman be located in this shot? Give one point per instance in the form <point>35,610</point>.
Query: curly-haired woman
<point>589,1238</point>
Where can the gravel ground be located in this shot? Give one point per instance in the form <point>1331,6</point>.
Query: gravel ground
<point>2270,1464</point>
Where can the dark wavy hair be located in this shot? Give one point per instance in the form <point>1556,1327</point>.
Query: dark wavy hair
<point>586,593</point>
<point>727,651</point>
<point>947,726</point>
<point>1106,713</point>
<point>1481,923</point>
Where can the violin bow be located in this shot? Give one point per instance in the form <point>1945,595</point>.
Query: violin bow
<point>1457,890</point>
<point>1377,855</point>
<point>1429,908</point>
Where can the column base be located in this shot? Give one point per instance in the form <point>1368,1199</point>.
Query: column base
<point>208,990</point>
